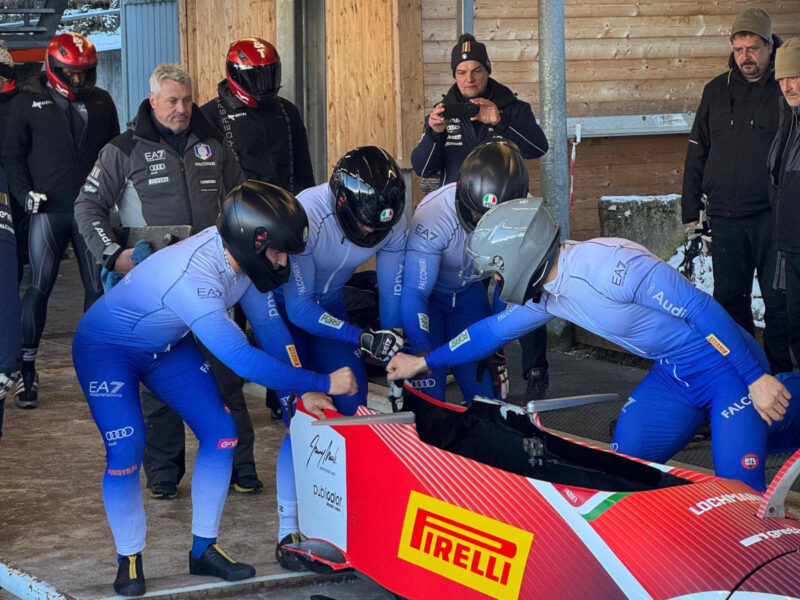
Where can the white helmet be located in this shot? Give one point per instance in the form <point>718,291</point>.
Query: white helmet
<point>518,240</point>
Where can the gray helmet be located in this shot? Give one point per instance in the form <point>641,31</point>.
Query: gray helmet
<point>518,240</point>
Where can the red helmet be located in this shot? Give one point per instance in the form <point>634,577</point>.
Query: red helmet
<point>74,52</point>
<point>254,71</point>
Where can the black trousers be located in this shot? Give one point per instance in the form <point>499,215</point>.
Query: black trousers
<point>793,301</point>
<point>742,246</point>
<point>165,451</point>
<point>534,351</point>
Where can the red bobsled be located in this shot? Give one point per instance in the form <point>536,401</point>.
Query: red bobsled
<point>431,525</point>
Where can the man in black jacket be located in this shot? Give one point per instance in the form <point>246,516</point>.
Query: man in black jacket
<point>445,144</point>
<point>732,132</point>
<point>56,127</point>
<point>784,168</point>
<point>265,131</point>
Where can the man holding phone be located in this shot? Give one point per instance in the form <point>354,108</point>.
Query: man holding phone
<point>455,127</point>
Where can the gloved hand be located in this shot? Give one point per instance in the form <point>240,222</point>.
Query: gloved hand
<point>395,394</point>
<point>497,367</point>
<point>111,278</point>
<point>382,344</point>
<point>702,230</point>
<point>32,202</point>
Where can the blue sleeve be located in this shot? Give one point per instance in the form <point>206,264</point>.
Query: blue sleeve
<point>271,331</point>
<point>302,307</point>
<point>518,124</point>
<point>486,336</point>
<point>666,290</point>
<point>389,272</point>
<point>419,277</point>
<point>428,157</point>
<point>228,343</point>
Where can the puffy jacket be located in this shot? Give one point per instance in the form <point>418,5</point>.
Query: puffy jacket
<point>444,152</point>
<point>784,174</point>
<point>270,141</point>
<point>151,184</point>
<point>730,138</point>
<point>39,153</point>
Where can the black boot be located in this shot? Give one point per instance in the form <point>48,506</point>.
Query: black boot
<point>216,563</point>
<point>130,577</point>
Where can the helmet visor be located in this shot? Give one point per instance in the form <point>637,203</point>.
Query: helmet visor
<point>475,267</point>
<point>259,81</point>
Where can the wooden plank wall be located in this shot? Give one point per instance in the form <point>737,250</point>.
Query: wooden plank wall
<point>639,57</point>
<point>208,27</point>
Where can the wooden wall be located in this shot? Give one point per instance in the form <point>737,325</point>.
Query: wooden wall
<point>372,99</point>
<point>637,57</point>
<point>208,27</point>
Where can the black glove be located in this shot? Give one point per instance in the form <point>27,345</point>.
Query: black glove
<point>498,370</point>
<point>382,344</point>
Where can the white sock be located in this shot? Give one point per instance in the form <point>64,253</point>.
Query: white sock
<point>287,518</point>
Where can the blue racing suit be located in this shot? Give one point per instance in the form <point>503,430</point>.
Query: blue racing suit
<point>314,302</point>
<point>138,333</point>
<point>703,361</point>
<point>436,303</point>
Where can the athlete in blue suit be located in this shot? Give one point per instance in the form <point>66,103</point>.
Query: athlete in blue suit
<point>138,333</point>
<point>357,215</point>
<point>437,303</point>
<point>705,365</point>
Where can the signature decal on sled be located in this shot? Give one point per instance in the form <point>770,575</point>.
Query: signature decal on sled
<point>484,554</point>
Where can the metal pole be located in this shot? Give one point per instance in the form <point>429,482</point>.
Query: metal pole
<point>464,16</point>
<point>553,104</point>
<point>24,585</point>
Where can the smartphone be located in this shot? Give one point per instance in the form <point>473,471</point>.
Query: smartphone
<point>461,110</point>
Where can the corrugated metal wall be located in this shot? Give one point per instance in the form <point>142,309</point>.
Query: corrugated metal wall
<point>149,37</point>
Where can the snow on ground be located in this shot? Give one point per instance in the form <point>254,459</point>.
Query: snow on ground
<point>703,279</point>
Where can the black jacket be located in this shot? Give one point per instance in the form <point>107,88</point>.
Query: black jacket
<point>444,152</point>
<point>39,153</point>
<point>784,174</point>
<point>728,146</point>
<point>270,141</point>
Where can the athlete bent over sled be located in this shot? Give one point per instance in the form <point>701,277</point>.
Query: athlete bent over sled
<point>138,333</point>
<point>705,365</point>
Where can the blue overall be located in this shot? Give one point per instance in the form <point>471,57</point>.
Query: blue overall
<point>436,303</point>
<point>704,362</point>
<point>139,333</point>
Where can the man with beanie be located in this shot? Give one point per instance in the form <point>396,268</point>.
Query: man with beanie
<point>11,339</point>
<point>733,128</point>
<point>445,144</point>
<point>784,172</point>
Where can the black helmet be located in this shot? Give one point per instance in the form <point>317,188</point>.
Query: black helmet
<point>368,189</point>
<point>256,216</point>
<point>492,173</point>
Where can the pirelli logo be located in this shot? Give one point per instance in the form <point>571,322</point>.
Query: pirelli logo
<point>476,551</point>
<point>720,347</point>
<point>293,356</point>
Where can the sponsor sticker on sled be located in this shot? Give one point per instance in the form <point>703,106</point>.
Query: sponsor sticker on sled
<point>484,554</point>
<point>386,215</point>
<point>330,321</point>
<point>461,339</point>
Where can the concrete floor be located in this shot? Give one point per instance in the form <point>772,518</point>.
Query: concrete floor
<point>52,521</point>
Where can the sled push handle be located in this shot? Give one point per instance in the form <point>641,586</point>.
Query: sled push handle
<point>772,506</point>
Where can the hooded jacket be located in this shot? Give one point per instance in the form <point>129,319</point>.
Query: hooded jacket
<point>728,146</point>
<point>151,184</point>
<point>444,152</point>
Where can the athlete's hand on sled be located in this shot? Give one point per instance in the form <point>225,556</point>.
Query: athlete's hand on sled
<point>382,344</point>
<point>33,201</point>
<point>314,402</point>
<point>406,366</point>
<point>770,398</point>
<point>343,382</point>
